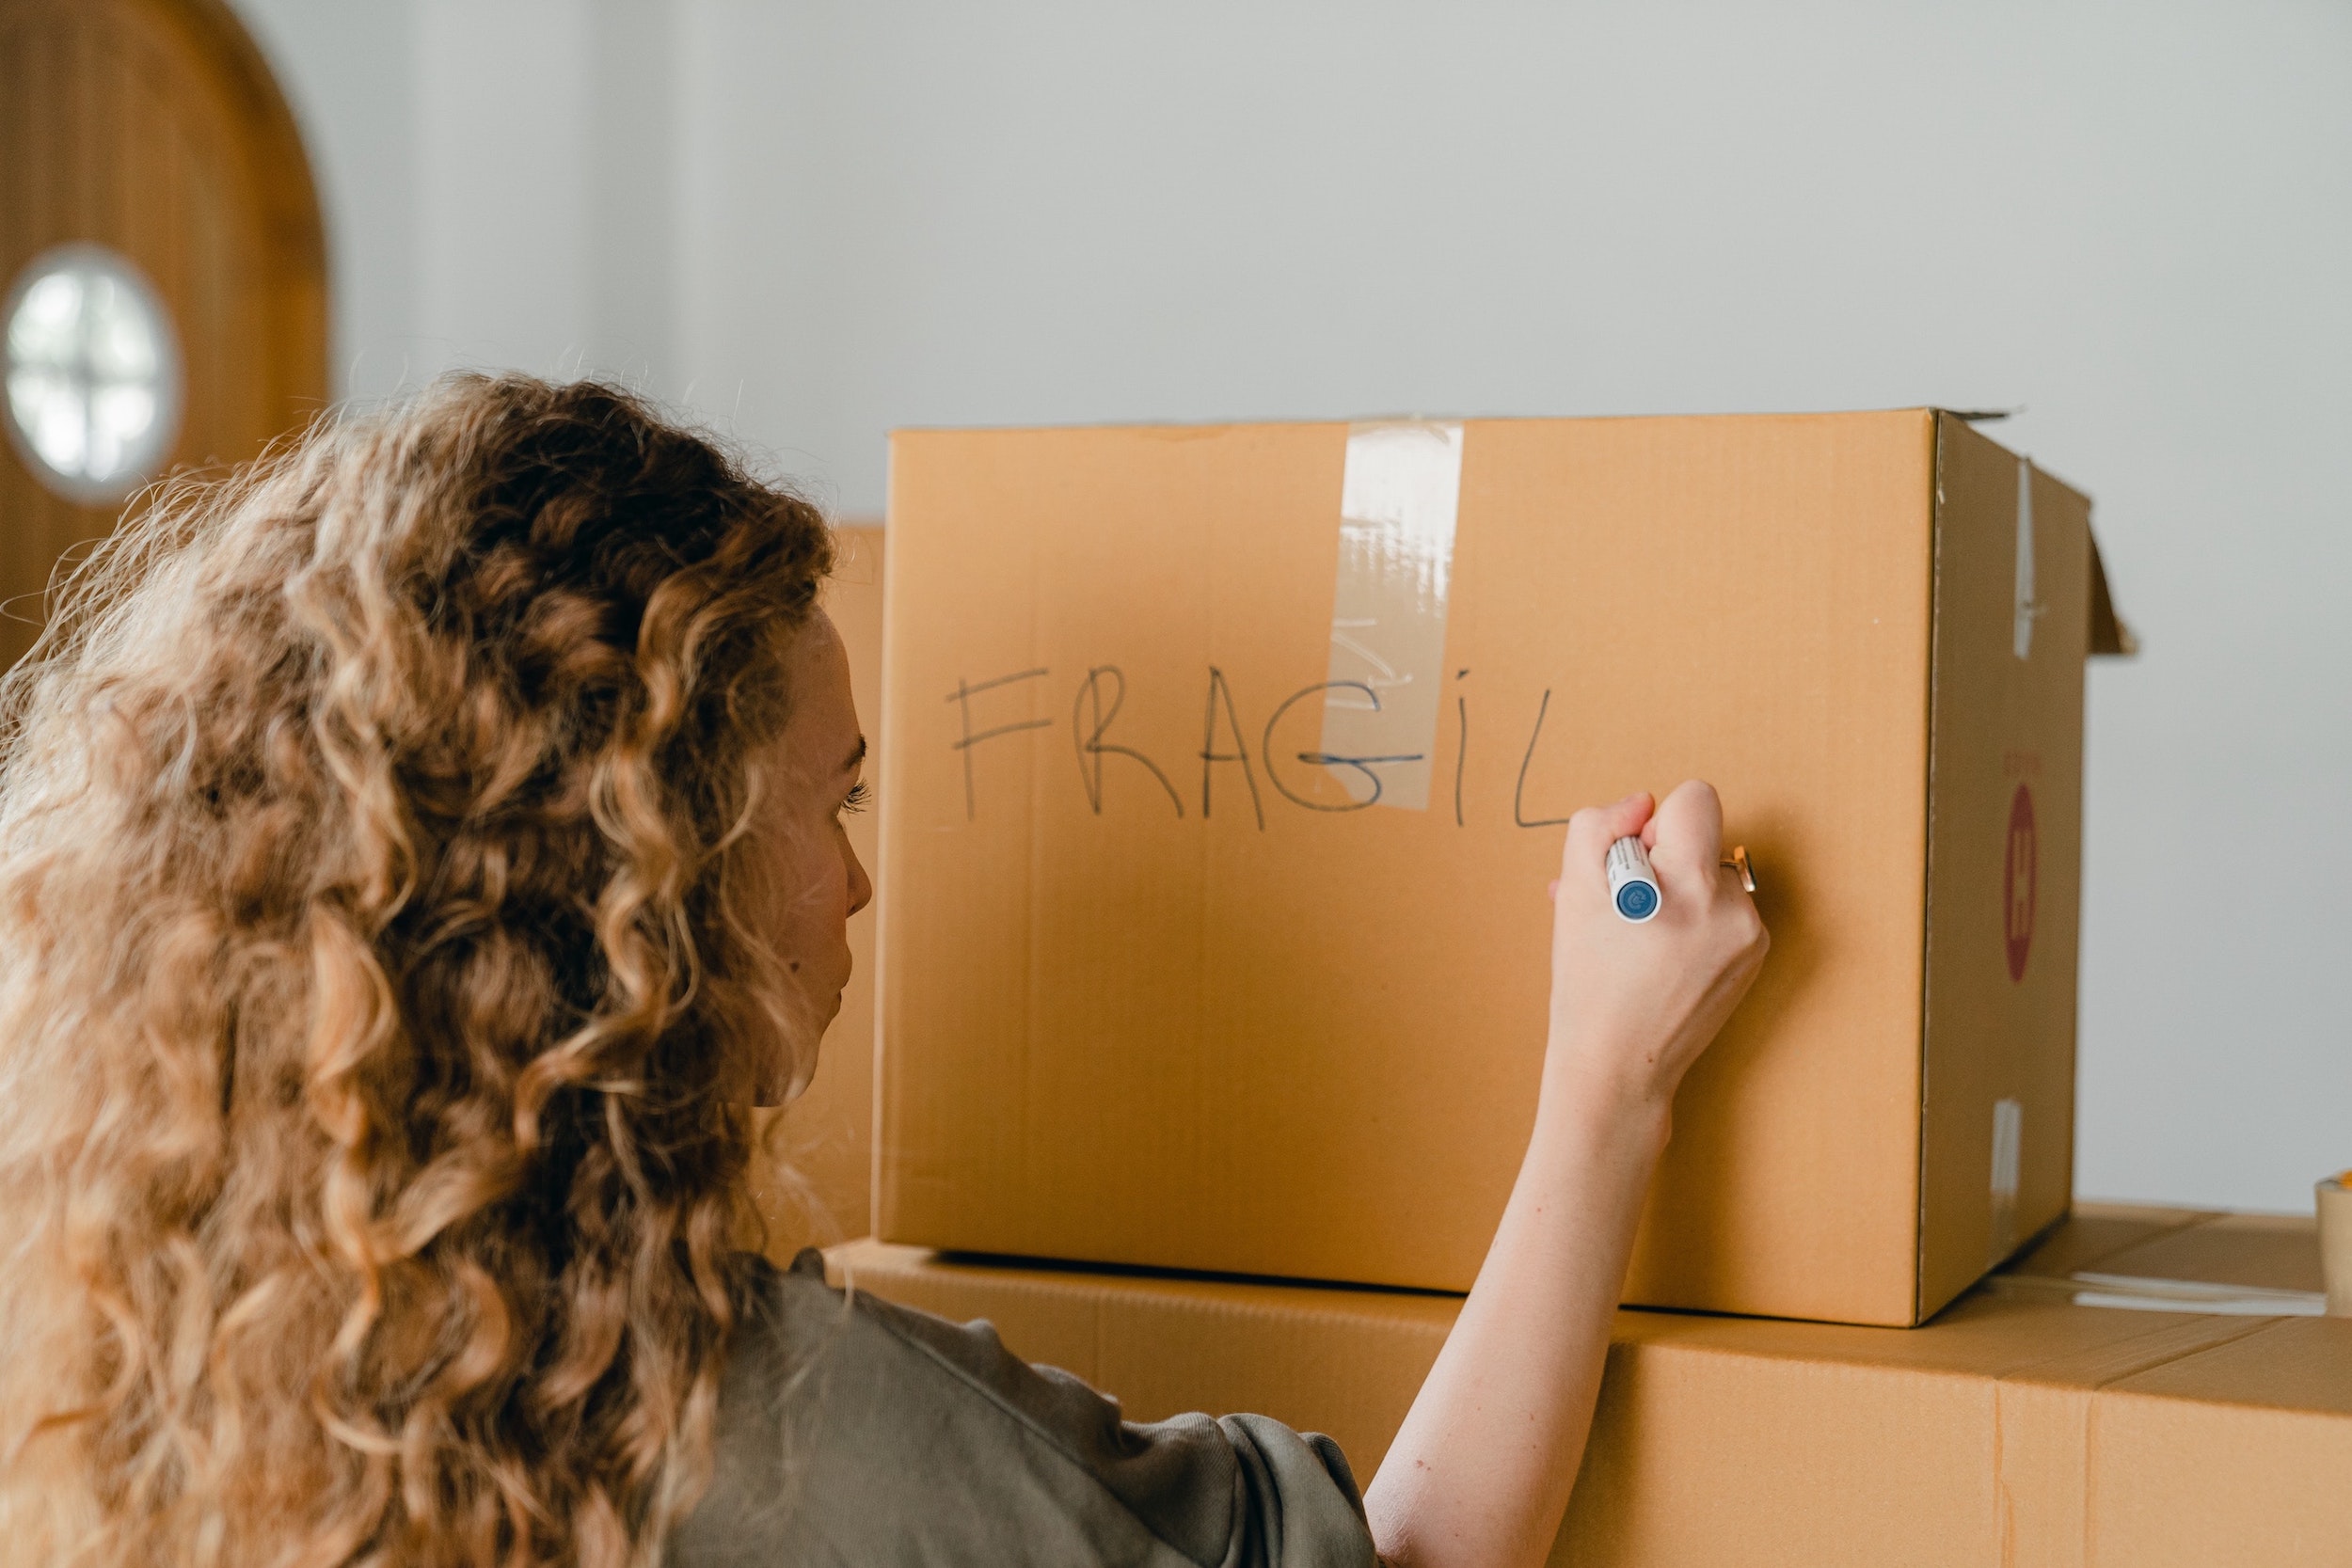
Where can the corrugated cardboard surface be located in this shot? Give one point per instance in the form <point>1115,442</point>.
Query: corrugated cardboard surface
<point>1144,1005</point>
<point>2265,1421</point>
<point>2017,1430</point>
<point>2005,853</point>
<point>2095,1232</point>
<point>2271,1252</point>
<point>815,1181</point>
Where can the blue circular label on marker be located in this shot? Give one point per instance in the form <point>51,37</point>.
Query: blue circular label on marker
<point>1636,900</point>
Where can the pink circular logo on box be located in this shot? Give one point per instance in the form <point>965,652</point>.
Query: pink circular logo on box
<point>2017,883</point>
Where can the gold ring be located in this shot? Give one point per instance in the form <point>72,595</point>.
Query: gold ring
<point>1738,861</point>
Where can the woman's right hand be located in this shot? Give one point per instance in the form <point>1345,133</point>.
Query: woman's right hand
<point>1633,1005</point>
<point>1479,1475</point>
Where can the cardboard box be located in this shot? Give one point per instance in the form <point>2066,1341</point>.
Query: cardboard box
<point>815,1183</point>
<point>2019,1429</point>
<point>1228,765</point>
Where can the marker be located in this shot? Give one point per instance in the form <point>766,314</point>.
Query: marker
<point>1632,886</point>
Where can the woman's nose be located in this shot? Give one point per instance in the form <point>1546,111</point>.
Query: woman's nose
<point>861,885</point>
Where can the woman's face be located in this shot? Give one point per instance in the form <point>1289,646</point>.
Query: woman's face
<point>805,880</point>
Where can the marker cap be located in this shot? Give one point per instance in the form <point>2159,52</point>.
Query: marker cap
<point>1632,885</point>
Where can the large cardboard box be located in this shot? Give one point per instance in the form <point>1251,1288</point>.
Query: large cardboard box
<point>2021,1429</point>
<point>1228,765</point>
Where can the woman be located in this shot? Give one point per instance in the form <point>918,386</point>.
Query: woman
<point>417,853</point>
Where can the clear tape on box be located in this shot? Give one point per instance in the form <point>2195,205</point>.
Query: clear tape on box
<point>1399,495</point>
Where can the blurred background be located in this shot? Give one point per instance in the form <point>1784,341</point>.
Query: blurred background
<point>806,223</point>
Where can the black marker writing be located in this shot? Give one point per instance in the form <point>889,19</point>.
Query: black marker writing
<point>1211,757</point>
<point>1089,721</point>
<point>1326,759</point>
<point>961,696</point>
<point>1461,753</point>
<point>1518,794</point>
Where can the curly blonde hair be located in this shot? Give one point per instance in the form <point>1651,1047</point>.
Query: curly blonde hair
<point>372,994</point>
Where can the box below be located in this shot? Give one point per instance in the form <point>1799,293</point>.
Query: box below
<point>2047,1418</point>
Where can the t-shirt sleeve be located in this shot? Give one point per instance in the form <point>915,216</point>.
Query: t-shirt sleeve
<point>1236,1492</point>
<point>1295,1502</point>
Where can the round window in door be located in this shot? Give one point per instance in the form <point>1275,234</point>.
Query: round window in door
<point>93,374</point>
<point>162,273</point>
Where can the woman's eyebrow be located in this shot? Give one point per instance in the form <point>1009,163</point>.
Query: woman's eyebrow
<point>857,755</point>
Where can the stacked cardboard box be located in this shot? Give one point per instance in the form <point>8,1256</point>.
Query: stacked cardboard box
<point>2047,1421</point>
<point>1227,770</point>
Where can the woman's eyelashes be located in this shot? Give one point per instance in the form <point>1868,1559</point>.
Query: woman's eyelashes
<point>857,798</point>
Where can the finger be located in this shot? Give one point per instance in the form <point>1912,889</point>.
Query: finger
<point>1690,824</point>
<point>1592,831</point>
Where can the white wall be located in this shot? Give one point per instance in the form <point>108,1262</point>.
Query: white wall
<point>815,221</point>
<point>498,179</point>
<point>349,69</point>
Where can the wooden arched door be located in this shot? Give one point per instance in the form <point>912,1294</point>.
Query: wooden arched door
<point>147,136</point>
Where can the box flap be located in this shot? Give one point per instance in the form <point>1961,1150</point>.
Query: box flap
<point>2266,1251</point>
<point>2096,1231</point>
<point>2301,1364</point>
<point>2109,634</point>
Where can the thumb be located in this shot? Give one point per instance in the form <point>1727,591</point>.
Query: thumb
<point>1690,832</point>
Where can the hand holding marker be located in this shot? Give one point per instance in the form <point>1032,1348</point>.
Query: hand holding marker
<point>1633,886</point>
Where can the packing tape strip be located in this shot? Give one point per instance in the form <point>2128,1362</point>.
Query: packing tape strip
<point>2009,1139</point>
<point>1399,497</point>
<point>2139,1293</point>
<point>2027,605</point>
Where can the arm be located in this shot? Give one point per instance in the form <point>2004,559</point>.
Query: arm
<point>1480,1474</point>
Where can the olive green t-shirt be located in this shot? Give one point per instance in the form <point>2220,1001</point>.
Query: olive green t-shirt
<point>853,1432</point>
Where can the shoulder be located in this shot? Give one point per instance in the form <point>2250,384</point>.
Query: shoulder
<point>854,1430</point>
<point>797,1329</point>
<point>888,1433</point>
